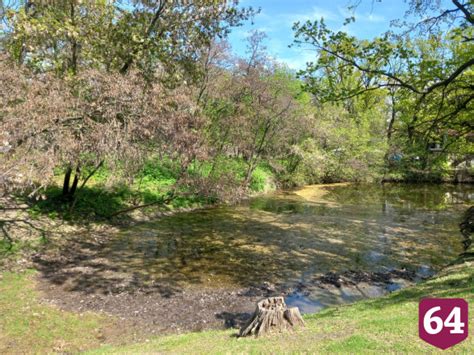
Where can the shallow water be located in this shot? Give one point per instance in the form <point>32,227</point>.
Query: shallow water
<point>289,237</point>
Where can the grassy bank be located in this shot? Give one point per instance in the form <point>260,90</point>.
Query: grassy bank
<point>107,193</point>
<point>27,326</point>
<point>387,324</point>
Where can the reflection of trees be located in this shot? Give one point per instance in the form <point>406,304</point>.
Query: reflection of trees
<point>467,229</point>
<point>407,196</point>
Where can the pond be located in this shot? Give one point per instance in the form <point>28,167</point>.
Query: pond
<point>289,238</point>
<point>317,246</point>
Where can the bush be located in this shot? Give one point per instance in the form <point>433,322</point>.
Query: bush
<point>262,179</point>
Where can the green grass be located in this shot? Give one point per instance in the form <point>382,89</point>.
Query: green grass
<point>262,179</point>
<point>387,324</point>
<point>26,326</point>
<point>99,199</point>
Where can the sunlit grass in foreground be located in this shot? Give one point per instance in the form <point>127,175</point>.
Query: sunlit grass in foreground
<point>387,324</point>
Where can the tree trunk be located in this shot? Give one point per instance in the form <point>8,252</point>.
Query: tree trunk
<point>73,189</point>
<point>67,179</point>
<point>149,31</point>
<point>272,315</point>
<point>69,191</point>
<point>393,115</point>
<point>74,46</point>
<point>248,175</point>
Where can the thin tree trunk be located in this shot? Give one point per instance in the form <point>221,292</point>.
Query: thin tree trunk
<point>151,27</point>
<point>91,174</point>
<point>392,118</point>
<point>163,200</point>
<point>67,179</point>
<point>75,182</point>
<point>22,53</point>
<point>84,182</point>
<point>250,170</point>
<point>255,155</point>
<point>219,151</point>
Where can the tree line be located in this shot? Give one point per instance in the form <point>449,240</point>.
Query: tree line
<point>129,87</point>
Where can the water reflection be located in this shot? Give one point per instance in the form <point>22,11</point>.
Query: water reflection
<point>282,237</point>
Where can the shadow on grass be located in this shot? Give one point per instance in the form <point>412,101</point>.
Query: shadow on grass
<point>99,203</point>
<point>90,202</point>
<point>234,319</point>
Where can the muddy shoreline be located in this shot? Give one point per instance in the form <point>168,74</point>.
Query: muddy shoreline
<point>155,307</point>
<point>192,310</point>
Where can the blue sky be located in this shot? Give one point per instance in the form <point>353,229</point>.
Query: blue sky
<point>277,17</point>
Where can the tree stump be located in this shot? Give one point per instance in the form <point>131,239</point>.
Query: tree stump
<point>272,315</point>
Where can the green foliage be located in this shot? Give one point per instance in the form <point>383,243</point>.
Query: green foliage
<point>348,145</point>
<point>157,175</point>
<point>92,202</point>
<point>68,36</point>
<point>234,167</point>
<point>247,123</point>
<point>261,180</point>
<point>421,71</point>
<point>99,199</point>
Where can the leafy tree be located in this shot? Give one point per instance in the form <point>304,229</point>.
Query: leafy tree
<point>48,123</point>
<point>425,69</point>
<point>254,109</point>
<point>77,49</point>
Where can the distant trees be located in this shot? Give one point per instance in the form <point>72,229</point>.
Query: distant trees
<point>107,83</point>
<point>266,103</point>
<point>254,109</point>
<point>258,112</point>
<point>424,68</point>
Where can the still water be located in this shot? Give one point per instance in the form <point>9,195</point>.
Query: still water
<point>291,236</point>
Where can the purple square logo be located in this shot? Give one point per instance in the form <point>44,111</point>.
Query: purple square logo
<point>443,322</point>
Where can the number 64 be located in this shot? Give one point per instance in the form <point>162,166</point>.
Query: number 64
<point>453,321</point>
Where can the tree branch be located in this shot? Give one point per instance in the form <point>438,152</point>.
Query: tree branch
<point>465,11</point>
<point>160,201</point>
<point>368,70</point>
<point>453,76</point>
<point>149,31</point>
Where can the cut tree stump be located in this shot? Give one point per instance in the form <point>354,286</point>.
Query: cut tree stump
<point>272,315</point>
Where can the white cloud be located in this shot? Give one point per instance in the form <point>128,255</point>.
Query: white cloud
<point>299,59</point>
<point>316,13</point>
<point>279,29</point>
<point>376,18</point>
